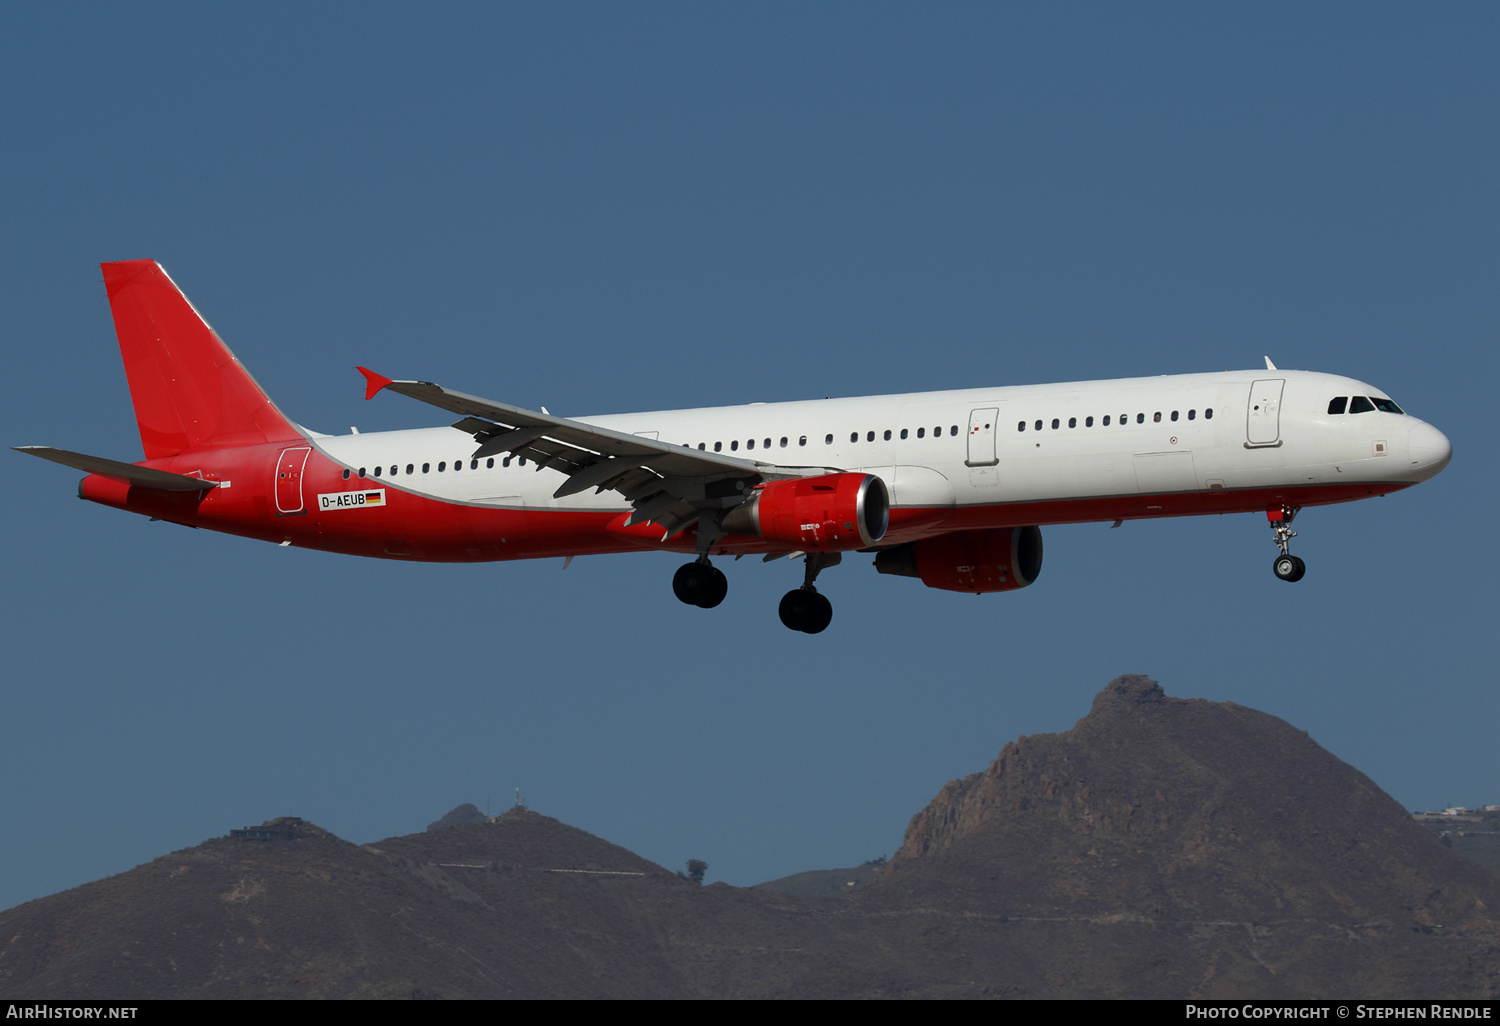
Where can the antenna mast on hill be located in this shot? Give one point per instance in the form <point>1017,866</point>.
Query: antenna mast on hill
<point>520,802</point>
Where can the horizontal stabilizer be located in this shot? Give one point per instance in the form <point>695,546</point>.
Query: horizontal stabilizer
<point>145,477</point>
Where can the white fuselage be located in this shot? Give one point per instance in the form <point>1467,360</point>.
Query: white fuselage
<point>1165,435</point>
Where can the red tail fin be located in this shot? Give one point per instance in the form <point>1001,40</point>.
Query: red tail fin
<point>188,388</point>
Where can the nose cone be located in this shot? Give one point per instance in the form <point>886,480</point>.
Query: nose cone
<point>1430,450</point>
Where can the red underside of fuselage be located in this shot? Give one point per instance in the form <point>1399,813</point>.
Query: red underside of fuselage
<point>416,527</point>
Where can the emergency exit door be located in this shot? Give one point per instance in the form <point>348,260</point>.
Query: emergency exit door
<point>982,425</point>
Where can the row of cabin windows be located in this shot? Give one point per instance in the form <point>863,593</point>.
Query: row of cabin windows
<point>1358,404</point>
<point>411,468</point>
<point>1362,404</point>
<point>734,446</point>
<point>718,447</point>
<point>1140,418</point>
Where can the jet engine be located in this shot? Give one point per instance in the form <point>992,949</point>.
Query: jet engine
<point>831,513</point>
<point>1003,559</point>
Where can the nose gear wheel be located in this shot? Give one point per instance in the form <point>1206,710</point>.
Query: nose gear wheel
<point>1286,566</point>
<point>1289,567</point>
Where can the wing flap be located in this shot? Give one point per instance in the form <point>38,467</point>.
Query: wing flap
<point>669,485</point>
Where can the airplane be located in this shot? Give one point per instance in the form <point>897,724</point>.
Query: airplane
<point>950,487</point>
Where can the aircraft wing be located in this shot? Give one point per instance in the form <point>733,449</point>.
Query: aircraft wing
<point>670,485</point>
<point>142,476</point>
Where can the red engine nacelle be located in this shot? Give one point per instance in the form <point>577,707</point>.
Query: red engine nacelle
<point>831,513</point>
<point>976,561</point>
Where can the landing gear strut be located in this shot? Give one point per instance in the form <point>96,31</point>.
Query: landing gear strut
<point>1286,566</point>
<point>700,584</point>
<point>803,609</point>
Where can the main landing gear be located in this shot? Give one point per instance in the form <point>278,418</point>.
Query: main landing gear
<point>1286,566</point>
<point>702,584</point>
<point>803,609</point>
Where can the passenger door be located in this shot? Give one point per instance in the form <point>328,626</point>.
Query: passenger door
<point>1263,413</point>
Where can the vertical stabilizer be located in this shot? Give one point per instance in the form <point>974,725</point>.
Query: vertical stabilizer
<point>188,389</point>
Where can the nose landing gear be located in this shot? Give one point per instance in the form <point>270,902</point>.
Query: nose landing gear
<point>1286,566</point>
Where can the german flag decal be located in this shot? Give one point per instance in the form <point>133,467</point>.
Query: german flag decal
<point>351,500</point>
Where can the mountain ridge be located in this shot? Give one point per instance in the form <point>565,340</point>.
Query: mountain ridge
<point>1162,847</point>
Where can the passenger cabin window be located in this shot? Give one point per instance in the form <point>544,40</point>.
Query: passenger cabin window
<point>1359,404</point>
<point>1208,414</point>
<point>922,432</point>
<point>1337,406</point>
<point>1174,415</point>
<point>887,434</point>
<point>1072,422</point>
<point>1088,422</point>
<point>1106,420</point>
<point>828,440</point>
<point>377,471</point>
<point>1019,427</point>
<point>1056,423</point>
<point>346,473</point>
<point>1192,414</point>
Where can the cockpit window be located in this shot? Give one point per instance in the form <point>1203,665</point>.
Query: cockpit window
<point>1336,406</point>
<point>1359,404</point>
<point>1385,405</point>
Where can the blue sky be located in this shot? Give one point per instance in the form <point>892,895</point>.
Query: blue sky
<point>603,208</point>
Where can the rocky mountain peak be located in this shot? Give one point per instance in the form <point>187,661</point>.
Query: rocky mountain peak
<point>1207,807</point>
